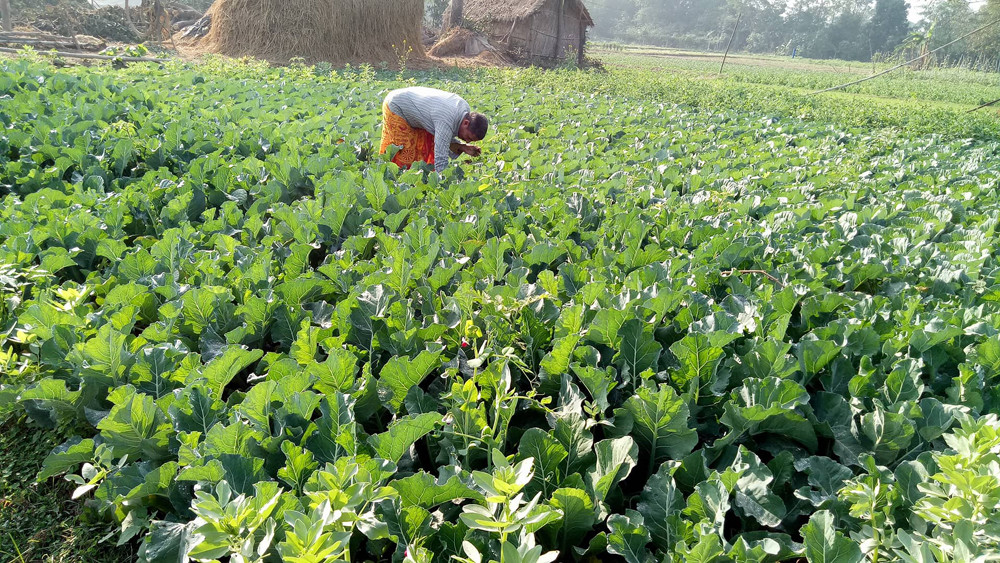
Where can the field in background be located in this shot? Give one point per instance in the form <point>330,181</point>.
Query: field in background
<point>947,87</point>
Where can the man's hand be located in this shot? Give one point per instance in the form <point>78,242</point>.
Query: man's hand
<point>470,150</point>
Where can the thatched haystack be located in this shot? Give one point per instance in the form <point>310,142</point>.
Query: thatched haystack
<point>457,42</point>
<point>316,30</point>
<point>542,30</point>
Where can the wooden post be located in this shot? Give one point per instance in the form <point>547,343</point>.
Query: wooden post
<point>583,42</point>
<point>8,25</point>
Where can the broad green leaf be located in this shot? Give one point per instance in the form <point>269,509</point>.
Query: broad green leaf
<point>638,350</point>
<point>752,491</point>
<point>698,359</point>
<point>769,405</point>
<point>824,544</point>
<point>50,402</point>
<point>709,503</point>
<point>136,426</point>
<point>548,455</point>
<point>400,374</point>
<point>615,460</point>
<point>194,410</point>
<point>422,490</point>
<point>67,456</point>
<point>660,421</point>
<point>628,537</point>
<point>661,504</point>
<point>814,355</point>
<point>605,327</point>
<point>299,466</point>
<point>826,477</point>
<point>577,518</point>
<point>393,444</point>
<point>221,370</point>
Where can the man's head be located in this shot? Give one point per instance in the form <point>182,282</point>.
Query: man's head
<point>473,128</point>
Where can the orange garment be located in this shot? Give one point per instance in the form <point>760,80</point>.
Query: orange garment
<point>417,144</point>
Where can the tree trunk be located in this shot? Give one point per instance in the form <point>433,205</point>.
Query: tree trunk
<point>8,25</point>
<point>457,16</point>
<point>559,27</point>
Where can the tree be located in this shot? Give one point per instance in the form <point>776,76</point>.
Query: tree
<point>890,25</point>
<point>5,13</point>
<point>457,16</point>
<point>989,39</point>
<point>949,20</point>
<point>434,13</point>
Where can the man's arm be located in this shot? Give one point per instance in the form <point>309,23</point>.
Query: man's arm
<point>442,146</point>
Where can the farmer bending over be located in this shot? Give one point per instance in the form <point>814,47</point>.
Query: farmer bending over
<point>425,121</point>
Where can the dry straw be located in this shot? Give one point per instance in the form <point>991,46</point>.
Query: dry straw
<point>316,30</point>
<point>511,10</point>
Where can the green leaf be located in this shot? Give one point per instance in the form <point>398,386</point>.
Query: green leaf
<point>50,402</point>
<point>557,361</point>
<point>814,355</point>
<point>337,374</point>
<point>709,503</point>
<point>306,344</point>
<point>824,544</point>
<point>769,406</point>
<point>194,410</point>
<point>699,361</point>
<point>334,433</point>
<point>708,550</point>
<point>393,444</point>
<point>407,525</point>
<point>422,490</point>
<point>904,382</point>
<point>826,477</point>
<point>167,542</point>
<point>605,327</point>
<point>615,460</point>
<point>67,456</point>
<point>299,466</point>
<point>661,504</point>
<point>242,473</point>
<point>106,354</point>
<point>628,537</point>
<point>136,426</point>
<point>752,492</point>
<point>401,373</point>
<point>638,350</point>
<point>598,383</point>
<point>661,423</point>
<point>577,520</point>
<point>548,455</point>
<point>221,370</point>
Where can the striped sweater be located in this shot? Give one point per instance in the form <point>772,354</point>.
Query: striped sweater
<point>436,111</point>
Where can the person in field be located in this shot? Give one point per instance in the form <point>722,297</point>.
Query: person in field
<point>425,122</point>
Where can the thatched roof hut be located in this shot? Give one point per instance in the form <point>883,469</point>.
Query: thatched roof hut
<point>533,29</point>
<point>316,30</point>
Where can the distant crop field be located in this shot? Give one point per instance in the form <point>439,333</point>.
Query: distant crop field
<point>955,86</point>
<point>668,316</point>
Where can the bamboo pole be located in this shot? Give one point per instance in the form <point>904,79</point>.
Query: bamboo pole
<point>730,45</point>
<point>91,56</point>
<point>901,65</point>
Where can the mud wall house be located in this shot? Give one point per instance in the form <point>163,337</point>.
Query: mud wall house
<point>551,30</point>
